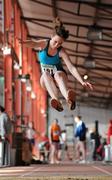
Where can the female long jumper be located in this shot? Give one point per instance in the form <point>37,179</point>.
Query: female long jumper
<point>54,78</point>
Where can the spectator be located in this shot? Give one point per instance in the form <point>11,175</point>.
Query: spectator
<point>30,133</point>
<point>32,138</point>
<point>101,150</point>
<point>54,137</point>
<point>5,124</point>
<point>90,145</point>
<point>44,147</point>
<point>5,131</point>
<point>80,134</point>
<point>109,132</point>
<point>63,146</point>
<point>97,141</point>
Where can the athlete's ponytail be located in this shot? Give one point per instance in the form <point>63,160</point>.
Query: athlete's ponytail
<point>60,29</point>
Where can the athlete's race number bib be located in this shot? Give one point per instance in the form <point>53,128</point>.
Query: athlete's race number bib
<point>48,68</point>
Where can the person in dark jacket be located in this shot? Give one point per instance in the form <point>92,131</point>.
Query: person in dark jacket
<point>80,135</point>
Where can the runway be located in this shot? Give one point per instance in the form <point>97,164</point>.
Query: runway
<point>68,170</point>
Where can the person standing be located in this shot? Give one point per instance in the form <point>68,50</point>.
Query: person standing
<point>31,133</point>
<point>109,132</point>
<point>108,145</point>
<point>80,135</point>
<point>54,138</point>
<point>63,146</point>
<point>5,131</point>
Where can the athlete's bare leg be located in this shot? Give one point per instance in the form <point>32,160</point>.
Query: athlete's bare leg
<point>47,82</point>
<point>62,80</point>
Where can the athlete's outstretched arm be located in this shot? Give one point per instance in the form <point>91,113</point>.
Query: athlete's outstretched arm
<point>39,44</point>
<point>73,69</point>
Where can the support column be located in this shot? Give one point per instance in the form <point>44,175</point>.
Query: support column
<point>7,58</point>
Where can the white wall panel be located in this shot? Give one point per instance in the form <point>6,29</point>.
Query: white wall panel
<point>89,115</point>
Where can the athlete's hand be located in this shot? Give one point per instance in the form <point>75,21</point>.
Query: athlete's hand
<point>87,84</point>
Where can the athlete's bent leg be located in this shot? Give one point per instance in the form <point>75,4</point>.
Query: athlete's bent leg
<point>62,80</point>
<point>47,82</point>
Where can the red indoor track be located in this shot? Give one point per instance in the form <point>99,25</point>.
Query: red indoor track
<point>64,169</point>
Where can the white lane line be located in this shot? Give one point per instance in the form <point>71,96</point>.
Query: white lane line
<point>102,170</point>
<point>31,172</point>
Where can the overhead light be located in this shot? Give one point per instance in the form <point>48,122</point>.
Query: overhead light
<point>89,62</point>
<point>6,47</point>
<point>94,33</point>
<point>33,95</point>
<point>28,88</point>
<point>42,111</point>
<point>85,77</point>
<point>28,85</point>
<point>16,66</point>
<point>6,50</point>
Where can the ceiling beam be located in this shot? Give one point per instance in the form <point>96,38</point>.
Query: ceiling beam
<point>89,43</point>
<point>105,5</point>
<point>108,56</point>
<point>85,43</point>
<point>70,12</point>
<point>96,68</point>
<point>94,54</point>
<point>83,38</point>
<point>96,84</point>
<point>66,23</point>
<point>98,58</point>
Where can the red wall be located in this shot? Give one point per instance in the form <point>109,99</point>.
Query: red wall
<point>18,102</point>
